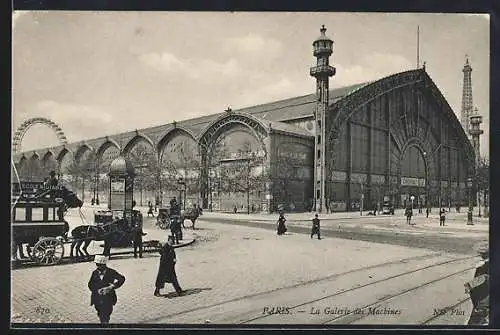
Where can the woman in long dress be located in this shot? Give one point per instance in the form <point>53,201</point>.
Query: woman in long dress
<point>166,270</point>
<point>281,224</point>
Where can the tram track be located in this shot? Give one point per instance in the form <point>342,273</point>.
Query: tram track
<point>353,318</point>
<point>256,296</point>
<point>444,310</point>
<point>379,301</point>
<point>326,278</point>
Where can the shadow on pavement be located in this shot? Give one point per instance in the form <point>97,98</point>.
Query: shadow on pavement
<point>171,295</point>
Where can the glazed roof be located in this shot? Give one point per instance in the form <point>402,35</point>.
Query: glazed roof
<point>278,112</point>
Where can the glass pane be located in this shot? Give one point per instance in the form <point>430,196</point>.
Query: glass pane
<point>20,214</point>
<point>37,214</point>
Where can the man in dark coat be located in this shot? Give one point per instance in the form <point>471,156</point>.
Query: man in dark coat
<point>174,207</point>
<point>315,227</point>
<point>103,283</point>
<point>442,217</point>
<point>176,229</point>
<point>137,232</point>
<point>166,271</point>
<point>408,214</point>
<point>53,180</point>
<point>281,224</point>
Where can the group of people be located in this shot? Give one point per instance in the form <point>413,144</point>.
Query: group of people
<point>442,215</point>
<point>105,280</point>
<point>315,230</point>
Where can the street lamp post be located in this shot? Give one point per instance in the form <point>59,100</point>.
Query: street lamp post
<point>469,212</point>
<point>478,195</point>
<point>182,187</point>
<point>97,177</point>
<point>361,202</point>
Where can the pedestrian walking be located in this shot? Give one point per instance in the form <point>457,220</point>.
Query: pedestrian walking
<point>315,227</point>
<point>103,283</point>
<point>166,270</point>
<point>409,214</point>
<point>194,215</point>
<point>427,211</point>
<point>281,224</point>
<point>442,216</point>
<point>150,211</point>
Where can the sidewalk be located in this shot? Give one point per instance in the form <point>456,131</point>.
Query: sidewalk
<point>293,217</point>
<point>263,216</point>
<point>380,223</point>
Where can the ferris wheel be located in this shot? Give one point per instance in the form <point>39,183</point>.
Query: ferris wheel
<point>23,129</point>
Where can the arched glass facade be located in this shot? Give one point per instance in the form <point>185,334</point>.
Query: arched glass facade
<point>401,144</point>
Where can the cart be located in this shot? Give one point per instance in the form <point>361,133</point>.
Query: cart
<point>38,220</point>
<point>162,220</point>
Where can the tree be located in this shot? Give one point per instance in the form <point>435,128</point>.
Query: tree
<point>83,172</point>
<point>291,175</point>
<point>483,182</point>
<point>32,170</point>
<point>185,164</point>
<point>243,173</point>
<point>285,173</point>
<point>145,163</point>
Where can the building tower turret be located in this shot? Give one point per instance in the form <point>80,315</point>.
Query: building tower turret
<point>475,131</point>
<point>466,97</point>
<point>323,48</point>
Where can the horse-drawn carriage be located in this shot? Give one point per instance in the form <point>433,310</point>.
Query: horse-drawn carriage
<point>166,216</point>
<point>38,220</point>
<point>173,219</point>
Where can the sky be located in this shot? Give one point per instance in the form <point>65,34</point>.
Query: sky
<point>100,73</point>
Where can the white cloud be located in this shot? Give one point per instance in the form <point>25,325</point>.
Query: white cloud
<point>279,89</point>
<point>372,67</point>
<point>194,68</point>
<point>254,45</point>
<point>165,61</point>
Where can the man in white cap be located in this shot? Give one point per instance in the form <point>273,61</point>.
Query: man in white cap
<point>102,283</point>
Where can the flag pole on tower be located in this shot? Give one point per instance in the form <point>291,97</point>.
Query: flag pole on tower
<point>418,46</point>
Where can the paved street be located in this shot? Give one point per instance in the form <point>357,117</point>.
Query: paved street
<point>234,273</point>
<point>455,236</point>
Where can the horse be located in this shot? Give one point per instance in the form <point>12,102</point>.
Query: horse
<point>116,233</point>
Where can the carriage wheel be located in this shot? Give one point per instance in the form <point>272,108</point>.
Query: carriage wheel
<point>48,251</point>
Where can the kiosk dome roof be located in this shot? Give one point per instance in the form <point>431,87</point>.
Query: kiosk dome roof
<point>121,166</point>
